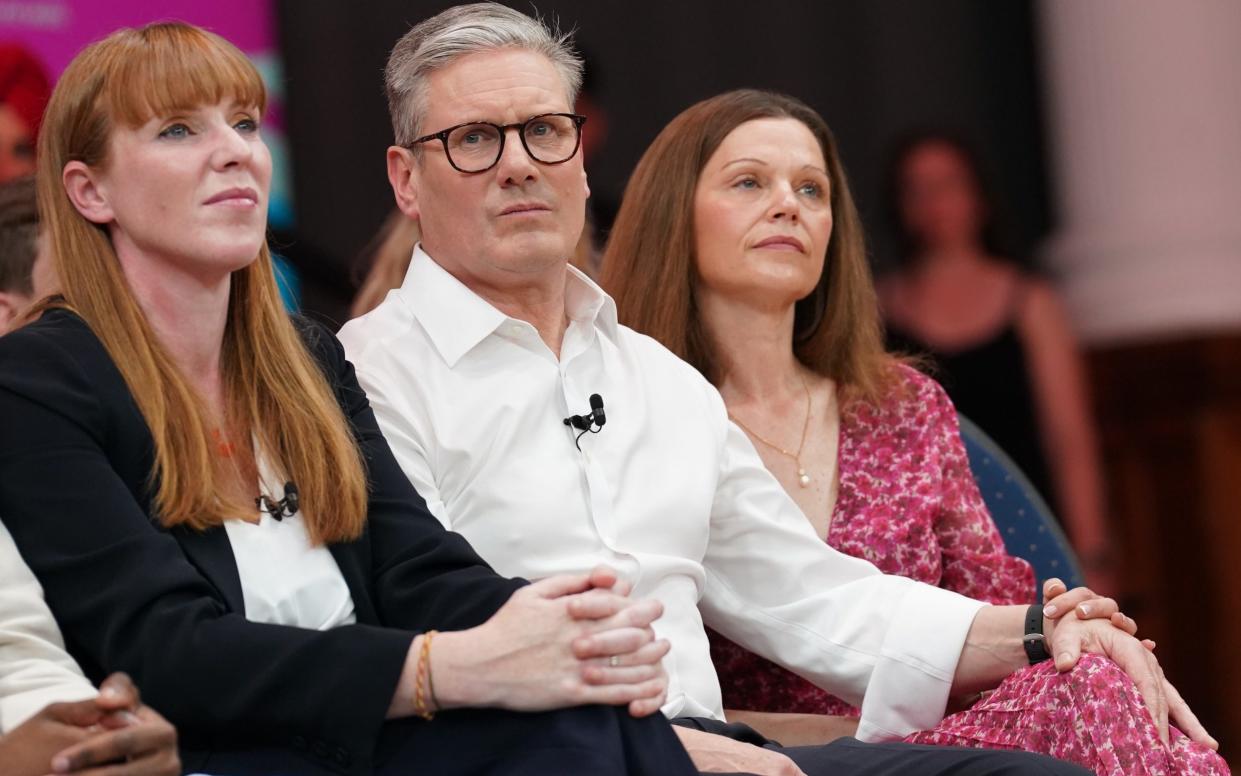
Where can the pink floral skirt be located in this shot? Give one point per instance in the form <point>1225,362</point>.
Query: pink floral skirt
<point>1092,716</point>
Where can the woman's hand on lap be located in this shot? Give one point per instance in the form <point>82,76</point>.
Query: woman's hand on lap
<point>1058,601</point>
<point>1070,637</point>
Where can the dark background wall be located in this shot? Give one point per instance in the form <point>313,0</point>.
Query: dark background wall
<point>873,68</point>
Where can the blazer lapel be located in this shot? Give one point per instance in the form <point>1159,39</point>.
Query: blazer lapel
<point>212,553</point>
<point>353,559</point>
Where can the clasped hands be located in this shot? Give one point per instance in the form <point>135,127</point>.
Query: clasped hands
<point>1099,627</point>
<point>111,735</point>
<point>563,641</point>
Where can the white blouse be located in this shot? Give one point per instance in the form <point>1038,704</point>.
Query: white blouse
<point>285,580</point>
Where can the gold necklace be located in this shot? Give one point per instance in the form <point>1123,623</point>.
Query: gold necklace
<point>803,479</point>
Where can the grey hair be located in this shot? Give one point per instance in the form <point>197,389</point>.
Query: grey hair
<point>467,29</point>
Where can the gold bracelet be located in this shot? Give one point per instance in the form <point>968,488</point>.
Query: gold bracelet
<point>435,702</point>
<point>422,679</point>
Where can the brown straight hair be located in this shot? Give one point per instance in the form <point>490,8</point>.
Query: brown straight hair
<point>391,251</point>
<point>273,388</point>
<point>650,265</point>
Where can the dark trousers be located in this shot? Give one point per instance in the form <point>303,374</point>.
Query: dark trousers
<point>595,740</point>
<point>850,757</point>
<point>591,740</point>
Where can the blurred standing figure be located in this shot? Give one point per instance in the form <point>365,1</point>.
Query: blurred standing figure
<point>999,335</point>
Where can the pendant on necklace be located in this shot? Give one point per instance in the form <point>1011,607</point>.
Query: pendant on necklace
<point>802,477</point>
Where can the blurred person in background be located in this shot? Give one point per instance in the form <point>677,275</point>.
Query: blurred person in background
<point>25,269</point>
<point>389,253</point>
<point>999,337</point>
<point>24,90</point>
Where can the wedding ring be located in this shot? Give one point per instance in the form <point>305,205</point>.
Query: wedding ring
<point>614,661</point>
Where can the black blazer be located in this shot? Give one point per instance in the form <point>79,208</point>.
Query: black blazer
<point>166,605</point>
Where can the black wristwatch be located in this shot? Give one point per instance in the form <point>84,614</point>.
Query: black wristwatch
<point>1034,641</point>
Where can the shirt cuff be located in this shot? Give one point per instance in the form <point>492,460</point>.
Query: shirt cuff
<point>909,687</point>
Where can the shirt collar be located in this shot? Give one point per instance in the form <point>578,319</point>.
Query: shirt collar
<point>456,319</point>
<point>586,303</point>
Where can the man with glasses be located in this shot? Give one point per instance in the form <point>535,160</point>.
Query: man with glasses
<point>550,138</point>
<point>491,363</point>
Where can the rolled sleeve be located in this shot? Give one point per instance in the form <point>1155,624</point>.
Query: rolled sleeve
<point>912,677</point>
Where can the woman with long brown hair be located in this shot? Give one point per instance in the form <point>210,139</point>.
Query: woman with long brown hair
<point>199,484</point>
<point>738,247</point>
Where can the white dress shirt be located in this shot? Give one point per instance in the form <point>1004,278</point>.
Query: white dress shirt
<point>669,492</point>
<point>35,669</point>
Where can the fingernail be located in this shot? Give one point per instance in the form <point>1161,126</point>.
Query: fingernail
<point>60,764</point>
<point>1064,659</point>
<point>129,718</point>
<point>1050,610</point>
<point>1084,609</point>
<point>109,692</point>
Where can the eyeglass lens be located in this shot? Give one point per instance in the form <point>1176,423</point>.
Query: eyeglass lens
<point>549,139</point>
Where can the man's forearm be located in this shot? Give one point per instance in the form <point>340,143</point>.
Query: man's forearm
<point>993,649</point>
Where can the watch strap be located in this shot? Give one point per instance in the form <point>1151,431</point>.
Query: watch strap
<point>1034,641</point>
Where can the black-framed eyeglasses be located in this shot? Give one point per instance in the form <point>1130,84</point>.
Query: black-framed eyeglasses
<point>549,138</point>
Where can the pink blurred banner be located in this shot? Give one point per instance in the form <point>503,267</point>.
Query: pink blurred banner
<point>55,30</point>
